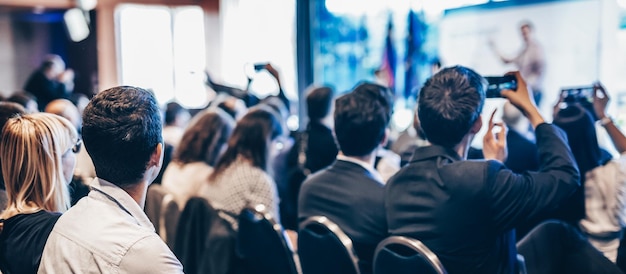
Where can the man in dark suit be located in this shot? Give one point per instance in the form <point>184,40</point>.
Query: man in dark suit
<point>350,192</point>
<point>465,211</point>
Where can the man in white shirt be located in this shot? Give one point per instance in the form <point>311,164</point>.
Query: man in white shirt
<point>107,231</point>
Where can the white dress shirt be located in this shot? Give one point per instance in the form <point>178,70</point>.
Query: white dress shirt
<point>106,232</point>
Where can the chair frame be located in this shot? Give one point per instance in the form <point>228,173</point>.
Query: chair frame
<point>416,245</point>
<point>335,229</point>
<point>261,212</point>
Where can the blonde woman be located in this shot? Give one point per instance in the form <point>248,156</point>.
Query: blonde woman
<point>41,148</point>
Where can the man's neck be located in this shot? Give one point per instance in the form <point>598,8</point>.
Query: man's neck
<point>138,192</point>
<point>463,147</point>
<point>369,158</point>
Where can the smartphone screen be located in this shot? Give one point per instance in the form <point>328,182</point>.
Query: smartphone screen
<point>498,83</point>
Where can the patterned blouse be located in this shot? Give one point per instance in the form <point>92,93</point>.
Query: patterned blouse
<point>238,186</point>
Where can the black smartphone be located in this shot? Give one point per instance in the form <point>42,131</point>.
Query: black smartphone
<point>577,94</point>
<point>580,95</point>
<point>499,83</point>
<point>259,66</point>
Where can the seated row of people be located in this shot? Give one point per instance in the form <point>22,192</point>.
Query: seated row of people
<point>465,211</point>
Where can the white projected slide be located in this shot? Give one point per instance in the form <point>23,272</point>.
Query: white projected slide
<point>568,31</point>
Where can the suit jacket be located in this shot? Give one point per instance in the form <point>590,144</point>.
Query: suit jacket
<point>321,148</point>
<point>523,154</point>
<point>465,211</point>
<point>347,194</point>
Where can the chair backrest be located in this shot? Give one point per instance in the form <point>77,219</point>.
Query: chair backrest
<point>261,244</point>
<point>154,201</point>
<point>324,248</point>
<point>204,241</point>
<point>398,254</point>
<point>168,220</point>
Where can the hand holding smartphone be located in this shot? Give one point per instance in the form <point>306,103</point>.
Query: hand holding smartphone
<point>498,83</point>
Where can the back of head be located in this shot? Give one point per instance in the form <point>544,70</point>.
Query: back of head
<point>361,118</point>
<point>36,144</point>
<point>578,124</point>
<point>318,102</point>
<point>25,99</point>
<point>205,137</point>
<point>66,109</point>
<point>121,129</point>
<point>449,104</point>
<point>172,110</point>
<point>8,110</point>
<point>251,139</point>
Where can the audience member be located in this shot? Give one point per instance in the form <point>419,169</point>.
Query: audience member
<point>50,81</point>
<point>84,171</point>
<point>602,197</point>
<point>350,192</point>
<point>41,147</point>
<point>7,110</point>
<point>203,142</point>
<point>387,162</point>
<point>176,119</point>
<point>25,99</point>
<point>240,177</point>
<point>314,149</point>
<point>108,229</point>
<point>466,211</point>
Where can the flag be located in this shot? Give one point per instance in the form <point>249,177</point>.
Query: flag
<point>414,55</point>
<point>388,66</point>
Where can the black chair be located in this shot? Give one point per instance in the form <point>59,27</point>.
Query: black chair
<point>398,255</point>
<point>261,245</point>
<point>168,220</point>
<point>205,242</point>
<point>324,248</point>
<point>153,206</point>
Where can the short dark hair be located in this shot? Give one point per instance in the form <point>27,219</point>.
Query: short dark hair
<point>172,109</point>
<point>318,102</point>
<point>204,138</point>
<point>22,98</point>
<point>449,104</point>
<point>361,118</point>
<point>378,92</point>
<point>251,139</point>
<point>579,127</point>
<point>121,129</point>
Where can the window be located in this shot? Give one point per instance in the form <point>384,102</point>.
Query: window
<point>162,49</point>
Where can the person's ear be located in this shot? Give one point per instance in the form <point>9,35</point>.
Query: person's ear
<point>156,159</point>
<point>477,125</point>
<point>385,139</point>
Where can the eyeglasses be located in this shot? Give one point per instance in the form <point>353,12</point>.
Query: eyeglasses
<point>77,146</point>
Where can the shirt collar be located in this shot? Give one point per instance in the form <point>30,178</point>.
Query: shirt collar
<point>423,153</point>
<point>367,166</point>
<point>121,198</point>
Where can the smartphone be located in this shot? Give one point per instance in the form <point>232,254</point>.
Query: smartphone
<point>580,95</point>
<point>499,83</point>
<point>259,66</point>
<point>577,94</point>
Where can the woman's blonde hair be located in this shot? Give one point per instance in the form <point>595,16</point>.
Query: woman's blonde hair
<point>35,144</point>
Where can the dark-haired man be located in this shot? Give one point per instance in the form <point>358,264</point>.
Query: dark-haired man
<point>107,231</point>
<point>350,192</point>
<point>466,211</point>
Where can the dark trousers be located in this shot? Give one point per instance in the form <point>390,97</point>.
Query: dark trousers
<point>556,247</point>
